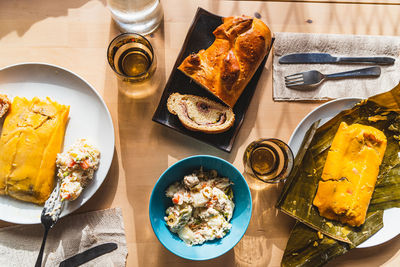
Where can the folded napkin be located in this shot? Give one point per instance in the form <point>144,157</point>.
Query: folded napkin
<point>336,45</point>
<point>20,245</point>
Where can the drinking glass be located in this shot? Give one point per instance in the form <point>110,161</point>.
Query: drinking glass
<point>140,16</point>
<point>269,160</point>
<point>133,60</point>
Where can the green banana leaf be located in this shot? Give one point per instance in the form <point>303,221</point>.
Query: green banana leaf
<point>303,249</point>
<point>306,247</point>
<point>299,191</point>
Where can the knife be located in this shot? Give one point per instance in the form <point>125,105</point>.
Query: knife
<point>88,255</point>
<point>319,58</point>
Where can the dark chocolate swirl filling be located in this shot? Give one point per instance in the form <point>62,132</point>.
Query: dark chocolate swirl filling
<point>204,108</point>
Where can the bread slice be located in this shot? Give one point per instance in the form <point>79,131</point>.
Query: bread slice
<point>200,113</point>
<point>4,105</point>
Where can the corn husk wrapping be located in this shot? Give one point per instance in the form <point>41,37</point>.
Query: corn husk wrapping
<point>380,111</point>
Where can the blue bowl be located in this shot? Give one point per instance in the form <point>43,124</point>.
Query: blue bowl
<point>241,214</point>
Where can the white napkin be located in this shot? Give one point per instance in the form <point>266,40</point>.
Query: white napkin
<point>336,45</point>
<point>20,245</point>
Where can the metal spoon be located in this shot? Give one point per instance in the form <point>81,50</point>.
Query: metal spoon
<point>50,214</point>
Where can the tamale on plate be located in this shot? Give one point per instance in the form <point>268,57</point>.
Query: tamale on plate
<point>301,186</point>
<point>350,173</point>
<point>32,135</point>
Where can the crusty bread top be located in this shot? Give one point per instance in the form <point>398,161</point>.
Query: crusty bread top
<point>225,68</point>
<point>200,114</point>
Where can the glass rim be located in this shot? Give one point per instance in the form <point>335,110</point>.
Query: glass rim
<point>285,171</point>
<point>120,36</point>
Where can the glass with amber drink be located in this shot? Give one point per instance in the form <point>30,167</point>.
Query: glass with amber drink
<point>269,160</point>
<point>132,58</point>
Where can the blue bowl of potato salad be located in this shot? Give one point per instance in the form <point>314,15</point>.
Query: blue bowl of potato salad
<point>200,207</point>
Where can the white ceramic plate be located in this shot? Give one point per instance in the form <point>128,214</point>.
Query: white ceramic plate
<point>325,112</point>
<point>88,118</point>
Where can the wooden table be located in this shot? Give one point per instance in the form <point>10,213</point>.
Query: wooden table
<point>75,34</point>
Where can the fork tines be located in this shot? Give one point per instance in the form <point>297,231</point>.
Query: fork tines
<point>294,79</point>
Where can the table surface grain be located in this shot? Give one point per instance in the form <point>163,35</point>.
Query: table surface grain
<point>75,34</point>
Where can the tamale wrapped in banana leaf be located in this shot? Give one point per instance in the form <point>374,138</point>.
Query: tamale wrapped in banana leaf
<point>349,174</point>
<point>381,112</point>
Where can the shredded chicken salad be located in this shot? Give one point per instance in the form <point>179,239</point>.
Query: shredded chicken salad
<point>203,207</point>
<point>76,167</point>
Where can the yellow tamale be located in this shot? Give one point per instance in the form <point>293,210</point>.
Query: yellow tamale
<point>350,173</point>
<point>32,135</point>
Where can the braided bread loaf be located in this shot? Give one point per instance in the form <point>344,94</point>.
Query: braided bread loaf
<point>226,67</point>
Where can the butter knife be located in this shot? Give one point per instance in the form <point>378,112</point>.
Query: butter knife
<point>323,58</point>
<point>88,255</point>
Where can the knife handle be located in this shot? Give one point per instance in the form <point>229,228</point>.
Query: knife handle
<point>370,60</point>
<point>88,255</point>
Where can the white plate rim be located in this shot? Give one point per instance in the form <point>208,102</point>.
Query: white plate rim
<point>297,136</point>
<point>112,134</point>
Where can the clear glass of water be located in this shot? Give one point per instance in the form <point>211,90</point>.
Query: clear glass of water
<point>269,160</point>
<point>139,16</point>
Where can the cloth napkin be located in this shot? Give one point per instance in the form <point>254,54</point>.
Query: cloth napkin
<point>336,45</point>
<point>19,245</point>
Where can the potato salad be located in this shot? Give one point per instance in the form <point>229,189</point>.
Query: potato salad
<point>76,167</point>
<point>203,207</point>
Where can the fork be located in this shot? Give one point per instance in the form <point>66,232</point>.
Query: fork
<point>312,78</point>
<point>50,214</point>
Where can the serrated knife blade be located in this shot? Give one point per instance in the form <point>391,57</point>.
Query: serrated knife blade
<point>88,255</point>
<point>324,58</point>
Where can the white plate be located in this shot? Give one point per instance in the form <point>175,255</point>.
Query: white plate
<point>88,118</point>
<point>325,112</point>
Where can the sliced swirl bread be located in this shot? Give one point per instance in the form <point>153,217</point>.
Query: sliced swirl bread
<point>201,114</point>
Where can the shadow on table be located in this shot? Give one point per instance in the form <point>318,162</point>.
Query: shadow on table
<point>268,229</point>
<point>353,19</point>
<point>139,144</point>
<point>138,141</point>
<point>25,13</point>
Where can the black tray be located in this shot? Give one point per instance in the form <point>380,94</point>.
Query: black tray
<point>200,36</point>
